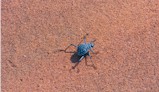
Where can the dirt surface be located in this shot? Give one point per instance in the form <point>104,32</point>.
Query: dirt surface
<point>127,33</point>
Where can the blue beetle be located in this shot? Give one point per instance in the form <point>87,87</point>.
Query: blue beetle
<point>83,50</point>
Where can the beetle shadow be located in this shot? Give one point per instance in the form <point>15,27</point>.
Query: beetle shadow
<point>74,57</point>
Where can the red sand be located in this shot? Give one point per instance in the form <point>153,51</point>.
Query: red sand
<point>127,33</point>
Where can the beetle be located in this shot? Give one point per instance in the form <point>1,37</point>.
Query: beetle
<point>83,50</point>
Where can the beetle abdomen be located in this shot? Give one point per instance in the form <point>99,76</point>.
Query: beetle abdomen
<point>82,49</point>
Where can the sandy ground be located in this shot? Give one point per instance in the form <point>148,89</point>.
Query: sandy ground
<point>127,33</point>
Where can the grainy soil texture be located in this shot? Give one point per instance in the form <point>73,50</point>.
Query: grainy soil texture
<point>34,33</point>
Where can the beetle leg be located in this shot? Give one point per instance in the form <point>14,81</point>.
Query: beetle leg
<point>73,45</point>
<point>68,47</point>
<point>92,51</point>
<point>86,61</point>
<point>93,40</point>
<point>73,67</point>
<point>81,58</point>
<point>92,61</point>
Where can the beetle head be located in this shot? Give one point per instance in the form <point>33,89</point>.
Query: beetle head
<point>92,44</point>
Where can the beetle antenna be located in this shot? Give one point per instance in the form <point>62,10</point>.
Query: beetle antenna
<point>85,35</point>
<point>93,41</point>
